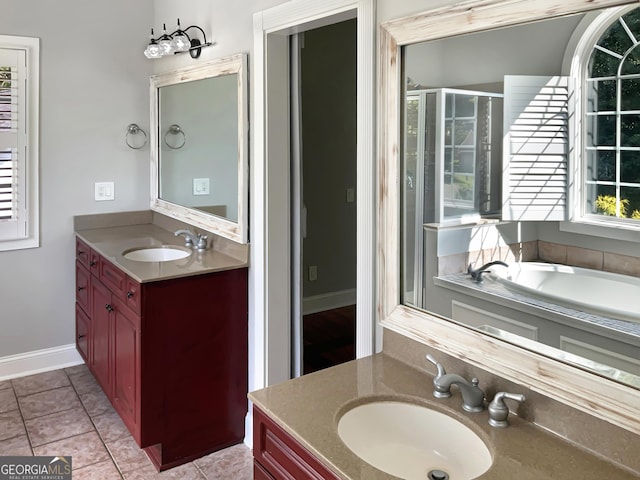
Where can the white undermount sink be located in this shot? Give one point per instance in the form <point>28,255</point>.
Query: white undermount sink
<point>156,254</point>
<point>411,441</point>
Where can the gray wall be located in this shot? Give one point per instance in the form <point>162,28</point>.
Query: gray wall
<point>93,83</point>
<point>329,156</point>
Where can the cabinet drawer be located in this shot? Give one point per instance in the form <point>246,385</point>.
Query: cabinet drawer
<point>82,333</point>
<point>283,456</point>
<point>86,256</point>
<point>113,278</point>
<point>132,295</point>
<point>83,278</point>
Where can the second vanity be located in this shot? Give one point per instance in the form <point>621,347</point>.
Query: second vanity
<point>166,340</point>
<point>296,428</point>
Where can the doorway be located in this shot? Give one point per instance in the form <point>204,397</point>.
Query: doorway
<point>271,273</point>
<point>324,161</point>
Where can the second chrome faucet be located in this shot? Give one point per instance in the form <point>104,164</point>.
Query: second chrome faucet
<point>472,395</point>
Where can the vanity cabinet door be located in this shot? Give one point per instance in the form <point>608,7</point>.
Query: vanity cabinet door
<point>282,456</point>
<point>126,366</point>
<point>100,335</point>
<point>259,473</point>
<point>83,333</point>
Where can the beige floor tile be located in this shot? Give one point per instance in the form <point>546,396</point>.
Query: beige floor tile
<point>18,446</point>
<point>8,400</point>
<point>127,455</point>
<point>40,382</point>
<point>57,426</point>
<point>84,382</point>
<point>11,425</point>
<point>84,449</point>
<point>234,462</point>
<point>96,402</point>
<point>77,369</point>
<point>4,384</point>
<point>110,427</point>
<point>51,401</point>
<point>98,471</point>
<point>188,471</point>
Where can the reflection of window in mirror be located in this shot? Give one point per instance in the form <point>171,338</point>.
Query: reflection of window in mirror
<point>612,143</point>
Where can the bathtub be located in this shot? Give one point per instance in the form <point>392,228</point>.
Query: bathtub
<point>601,293</point>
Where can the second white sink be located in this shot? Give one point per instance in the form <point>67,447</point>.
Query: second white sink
<point>410,441</point>
<point>156,254</point>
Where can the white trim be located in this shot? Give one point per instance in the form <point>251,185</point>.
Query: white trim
<point>38,361</point>
<point>32,47</point>
<point>283,19</point>
<point>328,301</point>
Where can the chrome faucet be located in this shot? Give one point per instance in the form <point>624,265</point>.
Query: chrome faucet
<point>477,273</point>
<point>193,240</point>
<point>472,396</point>
<point>498,410</point>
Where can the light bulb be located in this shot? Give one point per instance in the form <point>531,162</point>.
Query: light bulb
<point>180,41</point>
<point>153,50</point>
<point>165,42</point>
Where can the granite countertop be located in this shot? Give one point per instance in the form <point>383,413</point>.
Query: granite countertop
<point>111,242</point>
<point>310,406</point>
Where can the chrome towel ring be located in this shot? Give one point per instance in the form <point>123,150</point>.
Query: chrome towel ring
<point>133,130</point>
<point>175,130</point>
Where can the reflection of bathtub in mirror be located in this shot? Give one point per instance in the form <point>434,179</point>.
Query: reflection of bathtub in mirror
<point>602,293</point>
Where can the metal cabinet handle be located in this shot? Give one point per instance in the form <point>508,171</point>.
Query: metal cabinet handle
<point>129,294</point>
<point>108,307</point>
<point>80,337</point>
<point>81,288</point>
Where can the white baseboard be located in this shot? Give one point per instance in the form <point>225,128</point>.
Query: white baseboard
<point>328,301</point>
<point>39,361</point>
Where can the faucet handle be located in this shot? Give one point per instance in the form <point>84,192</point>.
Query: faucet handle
<point>202,242</point>
<point>498,410</point>
<point>438,390</point>
<point>441,370</point>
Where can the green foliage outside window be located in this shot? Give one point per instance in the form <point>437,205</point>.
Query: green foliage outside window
<point>606,205</point>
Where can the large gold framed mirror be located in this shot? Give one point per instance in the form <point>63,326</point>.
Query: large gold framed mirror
<point>199,146</point>
<point>532,363</point>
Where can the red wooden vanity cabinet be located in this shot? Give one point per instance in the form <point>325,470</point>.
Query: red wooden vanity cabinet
<point>279,456</point>
<point>170,355</point>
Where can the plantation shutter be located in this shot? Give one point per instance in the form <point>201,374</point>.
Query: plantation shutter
<point>536,148</point>
<point>13,144</point>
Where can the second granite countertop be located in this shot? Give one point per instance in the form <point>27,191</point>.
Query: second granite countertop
<point>310,406</point>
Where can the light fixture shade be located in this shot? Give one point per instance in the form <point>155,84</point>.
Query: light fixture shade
<point>153,51</point>
<point>165,46</point>
<point>180,42</point>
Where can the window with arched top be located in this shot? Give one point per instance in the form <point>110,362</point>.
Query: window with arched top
<point>612,123</point>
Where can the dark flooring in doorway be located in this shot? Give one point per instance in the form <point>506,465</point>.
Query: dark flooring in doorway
<point>329,338</point>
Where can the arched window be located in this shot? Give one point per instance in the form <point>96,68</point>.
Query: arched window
<point>612,143</point>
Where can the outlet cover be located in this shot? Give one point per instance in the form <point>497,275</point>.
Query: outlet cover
<point>201,186</point>
<point>104,191</point>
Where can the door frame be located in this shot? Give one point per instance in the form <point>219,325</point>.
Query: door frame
<point>269,277</point>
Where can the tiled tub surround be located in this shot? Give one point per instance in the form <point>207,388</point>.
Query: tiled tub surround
<point>583,448</point>
<point>540,250</point>
<point>64,412</point>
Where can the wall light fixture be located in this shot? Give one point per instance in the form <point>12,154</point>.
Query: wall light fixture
<point>177,42</point>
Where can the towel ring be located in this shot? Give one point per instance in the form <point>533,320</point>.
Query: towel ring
<point>175,130</point>
<point>132,130</point>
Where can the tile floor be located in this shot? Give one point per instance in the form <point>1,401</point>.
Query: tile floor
<point>64,412</point>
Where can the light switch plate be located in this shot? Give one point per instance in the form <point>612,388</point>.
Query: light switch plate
<point>201,186</point>
<point>104,191</point>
